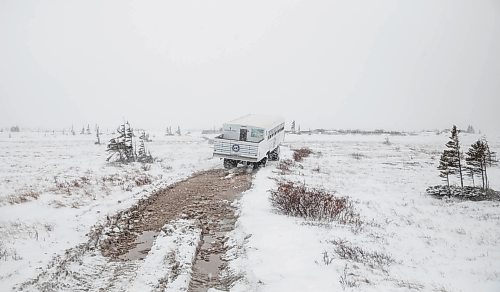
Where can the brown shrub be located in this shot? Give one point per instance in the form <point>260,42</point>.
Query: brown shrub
<point>298,200</point>
<point>143,180</point>
<point>284,165</point>
<point>23,197</point>
<point>357,155</point>
<point>299,154</point>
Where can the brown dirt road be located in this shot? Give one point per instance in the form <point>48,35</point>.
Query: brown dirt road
<point>206,197</point>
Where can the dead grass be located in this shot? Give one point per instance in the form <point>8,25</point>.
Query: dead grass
<point>23,197</point>
<point>357,155</point>
<point>142,180</point>
<point>124,179</point>
<point>285,165</point>
<point>346,280</point>
<point>6,253</point>
<point>373,259</point>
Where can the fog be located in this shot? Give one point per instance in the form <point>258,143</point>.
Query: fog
<point>399,65</point>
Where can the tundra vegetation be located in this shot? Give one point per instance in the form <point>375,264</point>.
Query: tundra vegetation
<point>477,159</point>
<point>123,148</point>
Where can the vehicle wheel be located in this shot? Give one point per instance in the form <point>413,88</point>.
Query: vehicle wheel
<point>229,163</point>
<point>275,154</point>
<point>260,164</point>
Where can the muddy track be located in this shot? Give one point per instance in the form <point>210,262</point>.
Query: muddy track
<point>206,197</point>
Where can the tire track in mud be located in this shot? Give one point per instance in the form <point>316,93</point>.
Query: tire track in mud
<point>116,249</point>
<point>206,197</point>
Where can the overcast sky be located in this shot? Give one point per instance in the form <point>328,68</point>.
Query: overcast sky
<point>332,64</point>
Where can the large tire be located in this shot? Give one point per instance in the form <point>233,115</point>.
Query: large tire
<point>230,163</point>
<point>275,154</point>
<point>260,164</point>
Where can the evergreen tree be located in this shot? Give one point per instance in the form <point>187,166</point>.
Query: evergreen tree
<point>82,131</point>
<point>129,144</point>
<point>445,166</point>
<point>454,155</point>
<point>169,131</point>
<point>470,129</point>
<point>489,160</point>
<point>293,127</point>
<point>142,149</point>
<point>117,146</point>
<point>143,155</point>
<point>474,160</point>
<point>88,129</point>
<point>97,133</point>
<point>479,157</point>
<point>178,132</point>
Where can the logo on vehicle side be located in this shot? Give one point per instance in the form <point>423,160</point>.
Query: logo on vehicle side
<point>236,147</point>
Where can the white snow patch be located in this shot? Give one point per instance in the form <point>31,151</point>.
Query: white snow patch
<point>77,189</point>
<point>170,259</point>
<point>436,245</point>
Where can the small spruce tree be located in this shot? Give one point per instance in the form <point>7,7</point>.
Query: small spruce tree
<point>474,160</point>
<point>129,144</point>
<point>479,157</point>
<point>143,155</point>
<point>454,155</point>
<point>97,134</point>
<point>445,167</point>
<point>117,147</point>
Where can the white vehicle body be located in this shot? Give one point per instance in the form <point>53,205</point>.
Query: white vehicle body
<point>250,138</point>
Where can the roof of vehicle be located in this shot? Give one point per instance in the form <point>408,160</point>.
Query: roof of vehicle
<point>259,121</point>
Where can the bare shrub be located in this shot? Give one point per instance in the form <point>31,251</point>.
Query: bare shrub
<point>357,155</point>
<point>114,179</point>
<point>298,200</point>
<point>125,179</point>
<point>23,197</point>
<point>284,165</point>
<point>142,180</point>
<point>354,253</point>
<point>146,167</point>
<point>299,154</point>
<point>66,186</point>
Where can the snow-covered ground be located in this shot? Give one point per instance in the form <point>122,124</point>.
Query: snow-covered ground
<point>54,188</point>
<point>408,240</point>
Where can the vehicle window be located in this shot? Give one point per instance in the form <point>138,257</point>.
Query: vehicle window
<point>257,133</point>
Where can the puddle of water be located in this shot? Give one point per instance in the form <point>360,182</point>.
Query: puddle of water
<point>144,243</point>
<point>210,267</point>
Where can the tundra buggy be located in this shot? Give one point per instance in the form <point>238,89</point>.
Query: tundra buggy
<point>250,140</point>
